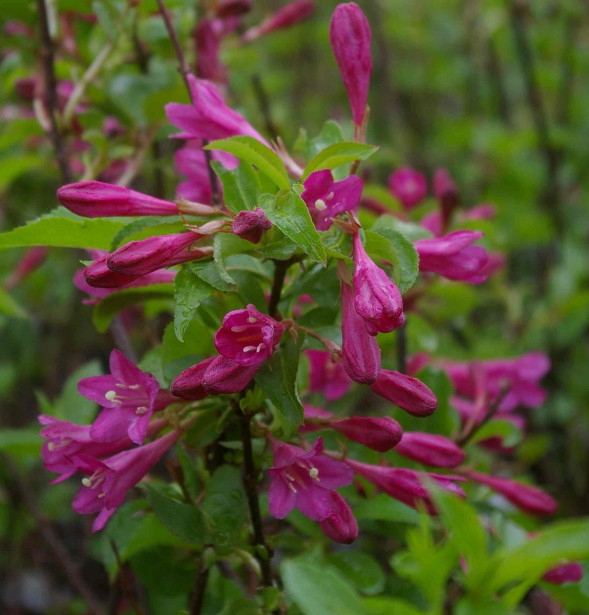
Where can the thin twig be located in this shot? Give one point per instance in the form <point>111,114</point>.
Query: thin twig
<point>280,269</point>
<point>48,55</point>
<point>264,105</point>
<point>402,348</point>
<point>197,597</point>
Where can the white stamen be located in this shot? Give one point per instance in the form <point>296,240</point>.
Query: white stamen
<point>291,478</point>
<point>101,495</point>
<point>135,387</point>
<point>292,487</point>
<point>252,319</point>
<point>320,205</point>
<point>239,329</point>
<point>314,473</point>
<point>111,395</point>
<point>249,348</point>
<point>121,385</point>
<point>330,196</point>
<point>86,482</point>
<point>260,347</point>
<point>141,410</point>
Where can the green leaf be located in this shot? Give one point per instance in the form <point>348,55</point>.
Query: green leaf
<point>110,306</point>
<point>330,134</point>
<point>362,570</point>
<point>410,230</point>
<point>181,519</point>
<point>71,406</point>
<point>189,292</point>
<point>241,186</point>
<point>21,441</point>
<point>337,154</point>
<point>290,214</point>
<point>62,229</point>
<point>225,508</point>
<point>256,153</point>
<point>9,306</point>
<point>395,248</point>
<point>319,589</point>
<point>383,605</point>
<point>509,433</point>
<point>383,508</point>
<point>278,379</point>
<point>225,245</point>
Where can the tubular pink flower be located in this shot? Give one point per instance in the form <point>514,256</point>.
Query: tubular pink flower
<point>248,337</point>
<point>433,223</point>
<point>407,486</point>
<point>453,256</point>
<point>531,500</point>
<point>94,199</point>
<point>287,16</point>
<point>232,8</point>
<point>408,186</point>
<point>327,199</point>
<point>340,525</point>
<point>350,36</point>
<point>31,260</point>
<point>407,392</point>
<point>98,275</point>
<point>447,194</point>
<point>104,490</point>
<point>360,351</point>
<point>212,376</point>
<point>251,225</point>
<point>138,258</point>
<point>305,480</point>
<point>569,572</point>
<point>430,449</point>
<point>377,299</point>
<point>484,211</point>
<point>208,117</point>
<point>326,376</point>
<point>207,37</point>
<point>128,397</point>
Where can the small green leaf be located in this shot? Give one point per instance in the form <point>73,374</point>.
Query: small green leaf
<point>21,441</point>
<point>184,520</point>
<point>189,292</point>
<point>290,214</point>
<point>337,154</point>
<point>362,570</point>
<point>278,381</point>
<point>256,153</point>
<point>9,306</point>
<point>412,231</point>
<point>241,186</point>
<point>383,605</point>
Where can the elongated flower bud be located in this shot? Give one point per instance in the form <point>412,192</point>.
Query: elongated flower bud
<point>287,16</point>
<point>377,299</point>
<point>530,499</point>
<point>360,351</point>
<point>340,525</point>
<point>569,572</point>
<point>94,199</point>
<point>98,275</point>
<point>430,449</point>
<point>350,36</point>
<point>251,225</point>
<point>378,433</point>
<point>408,393</point>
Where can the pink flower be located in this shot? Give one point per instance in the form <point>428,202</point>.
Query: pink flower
<point>407,392</point>
<point>433,223</point>
<point>360,351</point>
<point>110,480</point>
<point>248,337</point>
<point>111,127</point>
<point>138,258</point>
<point>98,275</point>
<point>232,8</point>
<point>305,480</point>
<point>327,199</point>
<point>208,36</point>
<point>350,36</point>
<point>208,117</point>
<point>430,449</point>
<point>213,376</point>
<point>446,191</point>
<point>531,500</point>
<point>485,211</point>
<point>129,397</point>
<point>453,256</point>
<point>288,15</point>
<point>340,525</point>
<point>406,485</point>
<point>251,225</point>
<point>326,376</point>
<point>569,572</point>
<point>31,260</point>
<point>409,186</point>
<point>65,440</point>
<point>96,199</point>
<point>377,299</point>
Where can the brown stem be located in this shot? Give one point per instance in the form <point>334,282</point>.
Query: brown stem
<point>264,105</point>
<point>280,269</point>
<point>402,348</point>
<point>197,597</point>
<point>47,56</point>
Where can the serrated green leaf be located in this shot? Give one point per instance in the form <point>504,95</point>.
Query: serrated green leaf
<point>257,154</point>
<point>189,292</point>
<point>338,154</point>
<point>290,214</point>
<point>241,186</point>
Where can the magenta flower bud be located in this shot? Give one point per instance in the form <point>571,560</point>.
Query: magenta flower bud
<point>433,223</point>
<point>378,433</point>
<point>305,480</point>
<point>408,186</point>
<point>211,377</point>
<point>340,525</point>
<point>327,199</point>
<point>531,500</point>
<point>98,275</point>
<point>248,337</point>
<point>111,128</point>
<point>485,211</point>
<point>430,449</point>
<point>287,16</point>
<point>326,376</point>
<point>208,36</point>
<point>350,36</point>
<point>377,299</point>
<point>407,486</point>
<point>94,199</point>
<point>232,8</point>
<point>32,259</point>
<point>569,572</point>
<point>407,392</point>
<point>446,192</point>
<point>360,351</point>
<point>208,117</point>
<point>138,258</point>
<point>104,490</point>
<point>251,225</point>
<point>453,256</point>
